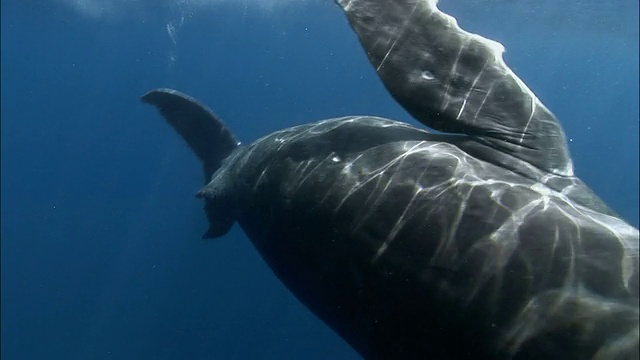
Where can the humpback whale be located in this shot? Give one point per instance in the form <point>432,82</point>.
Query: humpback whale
<point>475,242</point>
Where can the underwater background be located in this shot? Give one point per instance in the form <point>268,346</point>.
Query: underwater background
<point>101,250</point>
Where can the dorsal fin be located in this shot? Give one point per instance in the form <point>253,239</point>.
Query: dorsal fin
<point>205,134</point>
<point>455,81</point>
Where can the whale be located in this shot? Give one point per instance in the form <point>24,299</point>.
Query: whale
<point>476,241</point>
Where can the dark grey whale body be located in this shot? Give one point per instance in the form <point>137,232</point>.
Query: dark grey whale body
<point>476,244</point>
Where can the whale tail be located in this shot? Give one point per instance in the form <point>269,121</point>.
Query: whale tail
<point>208,138</point>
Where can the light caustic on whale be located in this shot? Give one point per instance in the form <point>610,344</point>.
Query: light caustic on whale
<point>479,243</point>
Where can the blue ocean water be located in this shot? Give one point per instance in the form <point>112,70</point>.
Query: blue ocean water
<point>101,250</point>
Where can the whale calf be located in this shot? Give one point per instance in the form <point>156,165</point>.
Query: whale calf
<point>477,242</point>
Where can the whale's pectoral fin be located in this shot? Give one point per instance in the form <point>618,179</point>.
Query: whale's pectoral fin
<point>209,139</point>
<point>218,206</point>
<point>220,219</point>
<point>455,81</point>
<point>205,134</point>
